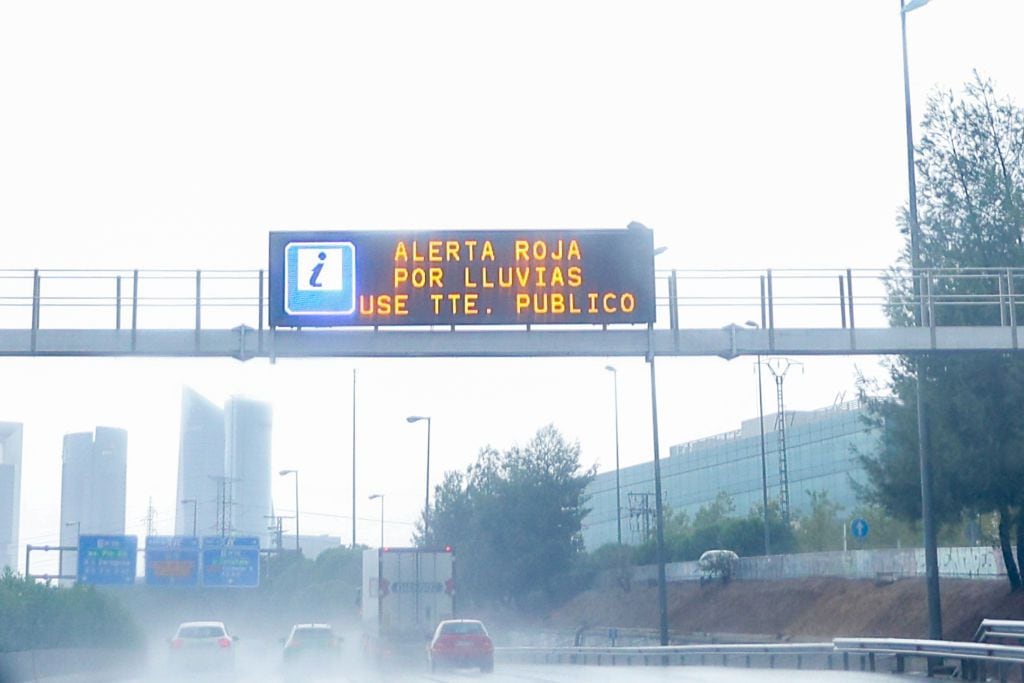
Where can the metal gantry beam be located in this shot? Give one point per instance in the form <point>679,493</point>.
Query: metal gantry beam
<point>206,313</point>
<point>248,343</point>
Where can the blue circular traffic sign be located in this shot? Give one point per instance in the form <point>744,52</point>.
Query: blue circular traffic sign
<point>859,528</point>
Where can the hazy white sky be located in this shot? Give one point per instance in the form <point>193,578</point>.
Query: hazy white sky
<point>176,135</point>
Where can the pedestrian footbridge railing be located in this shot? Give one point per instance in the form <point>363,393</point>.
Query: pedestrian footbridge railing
<point>968,660</point>
<point>699,312</point>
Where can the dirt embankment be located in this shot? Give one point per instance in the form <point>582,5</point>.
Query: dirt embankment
<point>798,609</point>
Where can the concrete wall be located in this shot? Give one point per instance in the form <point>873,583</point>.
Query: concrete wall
<point>967,563</point>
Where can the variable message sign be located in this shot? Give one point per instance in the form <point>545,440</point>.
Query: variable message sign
<point>461,277</point>
<point>172,561</point>
<point>107,560</point>
<point>231,561</point>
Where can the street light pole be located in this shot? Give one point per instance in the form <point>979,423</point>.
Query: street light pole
<point>298,550</point>
<point>374,497</point>
<point>354,458</point>
<point>931,553</point>
<point>764,455</point>
<point>618,499</point>
<point>426,500</point>
<point>659,517</point>
<point>195,510</point>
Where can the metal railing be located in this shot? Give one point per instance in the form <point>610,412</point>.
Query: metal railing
<point>972,661</point>
<point>686,298</point>
<point>1000,630</point>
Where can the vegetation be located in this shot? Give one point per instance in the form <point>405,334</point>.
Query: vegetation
<point>517,517</point>
<point>971,168</point>
<point>328,583</point>
<point>38,617</point>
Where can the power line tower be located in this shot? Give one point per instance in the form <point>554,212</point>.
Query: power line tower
<point>640,514</point>
<point>225,505</point>
<point>150,519</point>
<point>276,527</point>
<point>779,367</point>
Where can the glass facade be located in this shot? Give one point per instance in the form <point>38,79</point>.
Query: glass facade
<point>821,449</point>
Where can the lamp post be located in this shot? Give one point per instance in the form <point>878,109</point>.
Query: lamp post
<point>659,516</point>
<point>353,458</point>
<point>618,498</point>
<point>764,456</point>
<point>931,554</point>
<point>426,501</point>
<point>298,550</point>
<point>195,510</point>
<point>374,497</point>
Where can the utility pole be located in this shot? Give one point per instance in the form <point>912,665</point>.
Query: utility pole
<point>150,518</point>
<point>779,367</point>
<point>353,458</point>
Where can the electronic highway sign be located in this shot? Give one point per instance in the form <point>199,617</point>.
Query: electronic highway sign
<point>461,277</point>
<point>172,561</point>
<point>107,560</point>
<point>231,561</point>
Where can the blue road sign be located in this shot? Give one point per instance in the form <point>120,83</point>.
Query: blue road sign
<point>172,561</point>
<point>231,561</point>
<point>107,560</point>
<point>859,528</point>
<point>320,278</point>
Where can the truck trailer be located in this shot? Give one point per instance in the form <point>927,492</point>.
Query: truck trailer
<point>405,593</point>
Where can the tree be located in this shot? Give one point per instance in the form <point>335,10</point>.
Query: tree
<point>971,198</point>
<point>515,520</point>
<point>822,528</point>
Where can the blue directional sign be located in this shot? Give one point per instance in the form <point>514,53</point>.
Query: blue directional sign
<point>172,561</point>
<point>320,278</point>
<point>231,561</point>
<point>859,528</point>
<point>107,560</point>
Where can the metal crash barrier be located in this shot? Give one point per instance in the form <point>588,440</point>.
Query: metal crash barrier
<point>971,661</point>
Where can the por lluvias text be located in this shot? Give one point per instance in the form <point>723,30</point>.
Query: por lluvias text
<point>542,277</point>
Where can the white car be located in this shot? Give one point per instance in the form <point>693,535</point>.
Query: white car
<point>203,645</point>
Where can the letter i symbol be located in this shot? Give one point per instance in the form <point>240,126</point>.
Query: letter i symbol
<point>316,271</point>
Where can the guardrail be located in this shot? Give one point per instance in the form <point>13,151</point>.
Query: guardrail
<point>972,661</point>
<point>785,655</point>
<point>38,665</point>
<point>1002,629</point>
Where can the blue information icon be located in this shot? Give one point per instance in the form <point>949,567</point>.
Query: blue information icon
<point>859,528</point>
<point>320,278</point>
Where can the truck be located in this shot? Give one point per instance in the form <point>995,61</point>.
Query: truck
<point>405,593</point>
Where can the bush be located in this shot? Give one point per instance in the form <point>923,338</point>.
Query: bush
<point>38,617</point>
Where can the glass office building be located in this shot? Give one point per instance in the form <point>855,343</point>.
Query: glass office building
<point>821,448</point>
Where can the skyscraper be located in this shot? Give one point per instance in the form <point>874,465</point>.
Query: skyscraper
<point>247,464</point>
<point>224,465</point>
<point>10,492</point>
<point>93,485</point>
<point>200,466</point>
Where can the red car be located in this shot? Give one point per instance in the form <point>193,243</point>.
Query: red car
<point>461,643</point>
